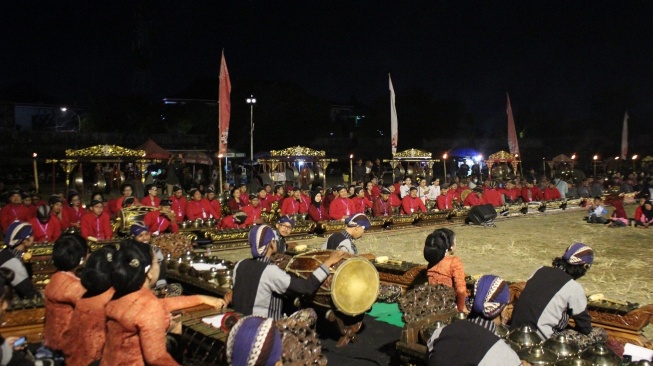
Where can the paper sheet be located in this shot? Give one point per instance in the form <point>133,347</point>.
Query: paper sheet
<point>214,321</point>
<point>638,353</point>
<point>207,267</point>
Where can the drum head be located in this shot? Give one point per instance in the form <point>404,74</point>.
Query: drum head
<point>355,286</point>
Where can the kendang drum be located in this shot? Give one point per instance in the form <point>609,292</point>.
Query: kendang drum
<point>351,288</point>
<point>130,215</point>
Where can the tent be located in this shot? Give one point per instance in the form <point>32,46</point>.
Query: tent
<point>463,152</point>
<point>196,157</point>
<point>153,151</point>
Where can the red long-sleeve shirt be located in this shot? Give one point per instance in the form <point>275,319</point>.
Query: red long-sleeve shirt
<point>216,207</point>
<point>290,206</point>
<point>48,232</point>
<point>149,201</point>
<point>531,194</point>
<point>444,202</point>
<point>253,214</point>
<point>159,223</point>
<point>11,213</point>
<point>75,215</point>
<point>200,210</point>
<point>410,205</point>
<point>96,226</point>
<point>361,204</point>
<point>381,208</point>
<point>317,214</point>
<point>179,207</point>
<point>551,194</point>
<point>61,296</point>
<point>340,207</point>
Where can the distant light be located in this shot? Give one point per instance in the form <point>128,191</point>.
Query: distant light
<point>34,155</point>
<point>616,158</point>
<point>301,163</point>
<point>251,100</point>
<point>635,157</point>
<point>444,156</point>
<point>573,156</point>
<point>477,158</point>
<point>351,156</point>
<point>516,155</point>
<point>63,109</point>
<point>596,157</point>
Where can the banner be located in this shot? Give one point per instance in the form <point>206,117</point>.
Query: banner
<point>624,138</point>
<point>513,144</point>
<point>224,111</point>
<point>394,129</point>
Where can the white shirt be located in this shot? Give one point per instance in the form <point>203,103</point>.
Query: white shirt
<point>404,189</point>
<point>434,192</point>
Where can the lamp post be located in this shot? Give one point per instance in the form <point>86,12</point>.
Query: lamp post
<point>36,173</point>
<point>444,164</point>
<point>351,169</point>
<point>220,190</point>
<point>634,159</point>
<point>79,120</point>
<point>595,158</point>
<point>251,101</point>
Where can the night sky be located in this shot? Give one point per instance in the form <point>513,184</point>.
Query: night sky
<point>552,55</point>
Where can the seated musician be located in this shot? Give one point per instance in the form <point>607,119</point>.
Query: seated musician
<point>284,228</point>
<point>382,206</point>
<point>179,203</point>
<point>293,204</point>
<point>511,193</point>
<point>57,211</point>
<point>254,340</point>
<point>341,207</point>
<point>491,194</point>
<point>19,237</point>
<point>474,198</point>
<point>141,233</point>
<point>531,193</point>
<point>96,223</point>
<point>215,203</point>
<point>233,221</point>
<point>64,289</point>
<point>443,267</point>
<point>279,194</point>
<point>115,205</point>
<point>394,199</point>
<point>316,210</point>
<point>473,341</point>
<point>152,198</point>
<point>552,296</point>
<point>411,203</point>
<point>75,209</point>
<point>137,321</point>
<point>444,200</point>
<point>344,240</point>
<point>253,210</point>
<point>85,337</point>
<point>359,201</point>
<point>258,283</point>
<point>162,220</point>
<point>45,228</point>
<point>551,192</point>
<point>198,207</point>
<point>265,200</point>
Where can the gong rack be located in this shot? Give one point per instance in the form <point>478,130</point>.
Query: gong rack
<point>298,164</point>
<point>101,154</point>
<point>502,158</point>
<point>412,163</point>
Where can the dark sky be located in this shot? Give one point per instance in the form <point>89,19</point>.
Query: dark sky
<point>553,55</point>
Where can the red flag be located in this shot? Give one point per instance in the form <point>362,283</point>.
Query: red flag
<point>624,138</point>
<point>512,135</point>
<point>394,127</point>
<point>224,111</point>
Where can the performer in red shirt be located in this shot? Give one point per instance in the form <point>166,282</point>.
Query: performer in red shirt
<point>162,220</point>
<point>96,223</point>
<point>382,206</point>
<point>531,193</point>
<point>341,207</point>
<point>117,204</point>
<point>46,229</point>
<point>444,200</point>
<point>411,203</point>
<point>510,192</point>
<point>279,194</point>
<point>198,207</point>
<point>265,200</point>
<point>58,212</point>
<point>394,199</point>
<point>152,198</point>
<point>14,210</point>
<point>233,221</point>
<point>75,209</point>
<point>305,195</point>
<point>27,202</point>
<point>316,210</point>
<point>215,203</point>
<point>178,203</point>
<point>360,202</point>
<point>237,202</point>
<point>253,211</point>
<point>551,192</point>
<point>492,196</point>
<point>293,204</point>
<point>474,198</point>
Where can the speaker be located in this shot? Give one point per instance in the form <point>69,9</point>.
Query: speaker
<point>479,215</point>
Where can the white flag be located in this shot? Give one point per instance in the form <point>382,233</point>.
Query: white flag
<point>624,138</point>
<point>394,129</point>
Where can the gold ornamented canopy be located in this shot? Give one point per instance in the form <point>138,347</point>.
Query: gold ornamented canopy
<point>412,154</point>
<point>502,157</point>
<point>298,151</point>
<point>105,151</point>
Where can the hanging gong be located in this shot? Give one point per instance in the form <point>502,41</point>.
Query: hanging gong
<point>292,174</point>
<point>306,176</point>
<point>100,183</point>
<point>78,180</point>
<point>319,173</point>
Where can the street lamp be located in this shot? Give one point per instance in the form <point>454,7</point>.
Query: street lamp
<point>351,169</point>
<point>251,101</point>
<point>36,173</point>
<point>64,109</point>
<point>634,158</point>
<point>573,156</point>
<point>595,158</point>
<point>444,164</point>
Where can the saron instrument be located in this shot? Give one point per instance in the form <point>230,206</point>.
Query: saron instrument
<point>351,288</point>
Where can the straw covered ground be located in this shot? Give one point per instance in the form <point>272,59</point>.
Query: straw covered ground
<point>623,266</point>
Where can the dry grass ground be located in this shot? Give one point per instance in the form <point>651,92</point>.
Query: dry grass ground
<point>623,267</point>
